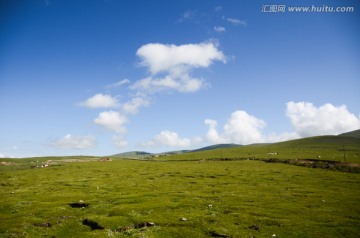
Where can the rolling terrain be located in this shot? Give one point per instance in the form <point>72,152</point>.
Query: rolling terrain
<point>217,192</point>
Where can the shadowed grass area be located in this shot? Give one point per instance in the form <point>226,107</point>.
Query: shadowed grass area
<point>216,198</point>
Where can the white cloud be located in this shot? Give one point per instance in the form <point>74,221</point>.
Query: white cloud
<point>118,84</point>
<point>112,120</point>
<point>74,142</point>
<point>187,15</point>
<point>184,83</point>
<point>169,138</point>
<point>218,8</point>
<point>241,128</point>
<point>219,29</point>
<point>2,155</point>
<point>134,104</point>
<point>309,120</point>
<point>236,22</point>
<point>100,101</point>
<point>119,141</point>
<point>212,134</point>
<point>167,58</point>
<point>170,66</point>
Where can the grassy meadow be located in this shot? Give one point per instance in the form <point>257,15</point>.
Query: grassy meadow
<point>176,197</point>
<point>331,148</point>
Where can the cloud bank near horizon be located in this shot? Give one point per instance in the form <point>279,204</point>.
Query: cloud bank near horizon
<point>306,119</point>
<point>243,128</point>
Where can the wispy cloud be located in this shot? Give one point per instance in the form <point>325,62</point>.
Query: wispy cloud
<point>119,141</point>
<point>118,84</point>
<point>170,138</point>
<point>188,15</point>
<point>218,8</point>
<point>236,22</point>
<point>74,142</point>
<point>100,101</point>
<point>47,2</point>
<point>132,106</point>
<point>219,29</point>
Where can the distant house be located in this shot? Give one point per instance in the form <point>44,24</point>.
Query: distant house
<point>104,159</point>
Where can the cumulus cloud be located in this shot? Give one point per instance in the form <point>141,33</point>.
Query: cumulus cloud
<point>170,66</point>
<point>236,22</point>
<point>169,138</point>
<point>306,119</point>
<point>166,58</point>
<point>241,128</point>
<point>100,101</point>
<point>74,142</point>
<point>213,135</point>
<point>112,120</point>
<point>219,29</point>
<point>309,120</point>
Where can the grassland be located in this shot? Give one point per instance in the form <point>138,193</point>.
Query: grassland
<point>227,192</point>
<point>218,199</point>
<point>331,148</point>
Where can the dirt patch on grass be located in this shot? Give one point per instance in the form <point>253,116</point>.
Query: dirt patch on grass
<point>45,224</point>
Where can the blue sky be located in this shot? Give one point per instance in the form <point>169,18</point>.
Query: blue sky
<point>101,77</point>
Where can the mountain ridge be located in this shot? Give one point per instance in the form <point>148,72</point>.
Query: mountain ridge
<point>351,137</point>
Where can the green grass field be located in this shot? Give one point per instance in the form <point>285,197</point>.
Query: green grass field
<point>332,148</point>
<point>217,199</point>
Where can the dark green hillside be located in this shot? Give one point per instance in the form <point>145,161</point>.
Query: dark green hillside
<point>321,142</point>
<point>132,155</point>
<point>217,146</point>
<point>355,134</point>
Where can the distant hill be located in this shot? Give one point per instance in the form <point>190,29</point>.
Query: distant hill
<point>176,152</point>
<point>321,141</point>
<point>355,134</point>
<point>132,154</point>
<point>350,141</point>
<point>217,146</point>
